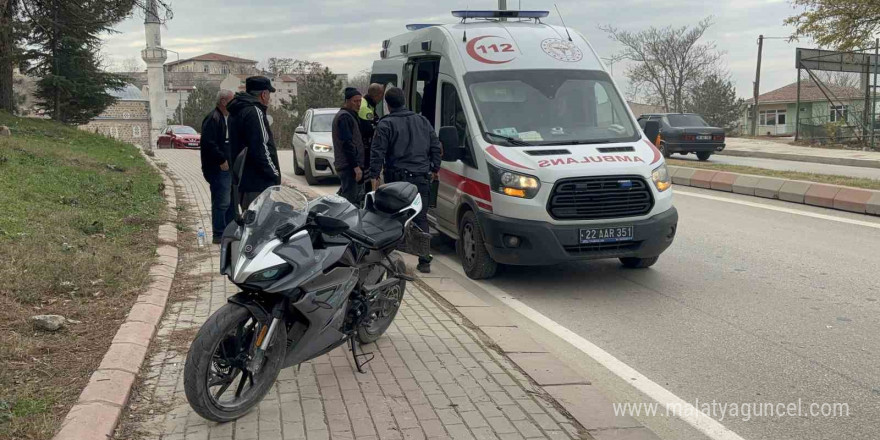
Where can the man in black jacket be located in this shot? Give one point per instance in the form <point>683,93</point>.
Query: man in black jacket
<point>348,147</point>
<point>214,149</point>
<point>407,147</point>
<point>251,140</point>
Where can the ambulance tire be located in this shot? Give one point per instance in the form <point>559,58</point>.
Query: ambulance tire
<point>638,263</point>
<point>471,249</point>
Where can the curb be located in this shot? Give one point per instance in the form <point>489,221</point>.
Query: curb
<point>573,392</point>
<point>863,163</point>
<point>99,407</point>
<point>841,198</point>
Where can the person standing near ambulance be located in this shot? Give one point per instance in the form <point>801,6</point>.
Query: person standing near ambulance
<point>407,147</point>
<point>368,118</point>
<point>348,147</point>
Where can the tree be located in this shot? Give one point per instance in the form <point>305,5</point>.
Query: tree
<point>80,22</point>
<point>841,24</point>
<point>283,125</point>
<point>199,103</point>
<point>714,98</point>
<point>317,86</point>
<point>667,61</point>
<point>280,66</point>
<point>361,81</point>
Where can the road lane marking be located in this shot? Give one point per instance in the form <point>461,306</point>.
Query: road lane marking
<point>687,412</point>
<point>779,209</point>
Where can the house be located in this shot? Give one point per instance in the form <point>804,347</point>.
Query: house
<point>127,120</point>
<point>213,63</point>
<point>776,109</point>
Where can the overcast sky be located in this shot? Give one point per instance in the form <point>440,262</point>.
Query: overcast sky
<point>347,34</point>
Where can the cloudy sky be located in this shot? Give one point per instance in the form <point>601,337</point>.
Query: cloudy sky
<point>347,34</point>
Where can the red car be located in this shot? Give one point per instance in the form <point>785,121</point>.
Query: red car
<point>179,136</point>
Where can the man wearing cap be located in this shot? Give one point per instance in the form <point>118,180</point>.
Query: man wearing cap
<point>348,147</point>
<point>251,140</point>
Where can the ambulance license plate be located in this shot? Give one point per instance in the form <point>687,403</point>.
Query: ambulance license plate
<point>606,235</point>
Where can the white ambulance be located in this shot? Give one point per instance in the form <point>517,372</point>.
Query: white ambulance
<point>543,161</point>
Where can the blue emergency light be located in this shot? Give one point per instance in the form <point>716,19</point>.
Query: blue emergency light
<point>500,14</point>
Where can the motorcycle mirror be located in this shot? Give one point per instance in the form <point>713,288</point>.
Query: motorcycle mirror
<point>330,225</point>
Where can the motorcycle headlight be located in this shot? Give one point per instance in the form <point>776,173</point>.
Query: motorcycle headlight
<point>661,178</point>
<point>513,184</point>
<point>271,274</point>
<point>321,148</point>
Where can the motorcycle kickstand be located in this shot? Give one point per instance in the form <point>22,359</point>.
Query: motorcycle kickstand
<point>356,356</point>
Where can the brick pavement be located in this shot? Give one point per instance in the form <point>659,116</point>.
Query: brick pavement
<point>432,376</point>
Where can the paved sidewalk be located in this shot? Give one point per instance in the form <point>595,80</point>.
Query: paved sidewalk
<point>432,376</point>
<point>770,149</point>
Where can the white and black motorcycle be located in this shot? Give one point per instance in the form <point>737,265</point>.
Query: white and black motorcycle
<point>313,276</point>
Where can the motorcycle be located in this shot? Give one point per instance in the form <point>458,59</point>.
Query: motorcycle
<point>313,276</point>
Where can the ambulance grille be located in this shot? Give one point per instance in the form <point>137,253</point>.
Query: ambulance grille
<point>592,198</point>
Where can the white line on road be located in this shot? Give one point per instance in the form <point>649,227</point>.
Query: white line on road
<point>780,209</point>
<point>684,410</point>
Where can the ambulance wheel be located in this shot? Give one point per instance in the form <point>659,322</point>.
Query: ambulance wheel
<point>471,249</point>
<point>638,263</point>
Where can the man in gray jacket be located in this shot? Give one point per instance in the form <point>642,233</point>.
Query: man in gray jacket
<point>407,147</point>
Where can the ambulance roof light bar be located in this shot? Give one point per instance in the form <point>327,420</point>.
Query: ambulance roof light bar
<point>487,14</point>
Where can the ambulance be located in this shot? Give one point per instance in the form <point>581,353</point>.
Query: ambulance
<point>543,162</point>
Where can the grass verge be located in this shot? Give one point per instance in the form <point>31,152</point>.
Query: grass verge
<point>795,175</point>
<point>78,220</point>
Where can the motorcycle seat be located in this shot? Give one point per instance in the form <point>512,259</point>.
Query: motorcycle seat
<point>382,229</point>
<point>390,198</point>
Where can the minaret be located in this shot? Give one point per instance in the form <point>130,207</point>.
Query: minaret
<point>155,58</point>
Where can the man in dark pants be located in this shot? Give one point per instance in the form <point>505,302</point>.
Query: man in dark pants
<point>348,147</point>
<point>406,145</point>
<point>251,139</point>
<point>214,149</point>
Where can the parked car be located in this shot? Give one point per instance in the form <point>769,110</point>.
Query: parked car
<point>685,133</point>
<point>313,145</point>
<point>179,136</point>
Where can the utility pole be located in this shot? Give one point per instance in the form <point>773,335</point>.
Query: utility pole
<point>757,86</point>
<point>502,6</point>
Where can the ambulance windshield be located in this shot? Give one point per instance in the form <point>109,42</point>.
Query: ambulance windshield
<point>549,107</point>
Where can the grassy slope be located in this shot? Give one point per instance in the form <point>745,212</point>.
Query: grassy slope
<point>78,219</point>
<point>795,175</point>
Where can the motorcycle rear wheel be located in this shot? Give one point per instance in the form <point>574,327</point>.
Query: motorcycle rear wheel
<point>384,308</point>
<point>218,384</point>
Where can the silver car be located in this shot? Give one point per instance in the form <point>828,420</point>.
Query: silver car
<point>313,145</point>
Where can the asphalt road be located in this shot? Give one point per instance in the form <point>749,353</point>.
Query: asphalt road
<point>750,305</point>
<point>788,165</point>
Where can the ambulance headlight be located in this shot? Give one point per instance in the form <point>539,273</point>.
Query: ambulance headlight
<point>513,184</point>
<point>661,178</point>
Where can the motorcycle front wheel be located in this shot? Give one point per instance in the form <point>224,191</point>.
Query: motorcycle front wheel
<point>221,378</point>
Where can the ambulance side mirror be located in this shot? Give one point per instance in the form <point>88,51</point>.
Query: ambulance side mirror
<point>652,129</point>
<point>452,152</point>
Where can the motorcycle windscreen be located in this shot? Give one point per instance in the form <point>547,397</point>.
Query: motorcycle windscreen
<point>275,207</point>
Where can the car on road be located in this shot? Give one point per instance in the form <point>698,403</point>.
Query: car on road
<point>313,145</point>
<point>686,133</point>
<point>179,136</point>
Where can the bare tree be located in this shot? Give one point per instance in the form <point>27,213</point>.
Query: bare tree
<point>667,62</point>
<point>361,81</point>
